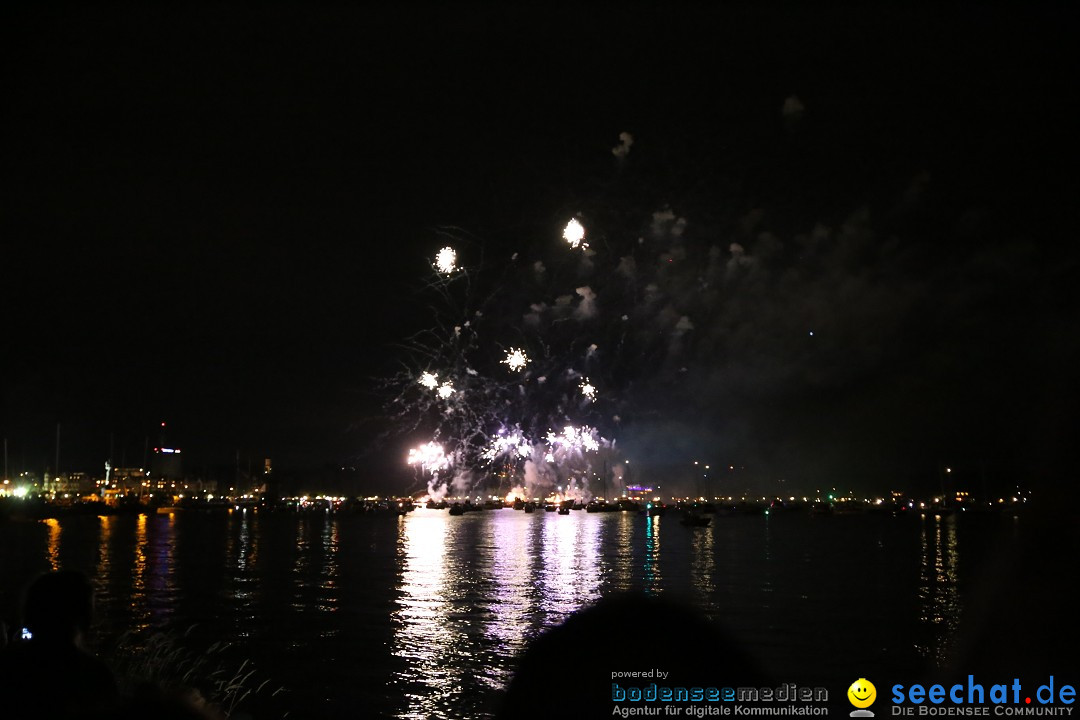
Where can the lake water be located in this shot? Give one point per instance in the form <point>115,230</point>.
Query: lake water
<point>421,616</point>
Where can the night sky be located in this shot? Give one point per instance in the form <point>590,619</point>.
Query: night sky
<point>222,218</point>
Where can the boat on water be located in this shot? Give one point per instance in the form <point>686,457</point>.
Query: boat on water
<point>655,509</point>
<point>457,509</point>
<point>694,520</point>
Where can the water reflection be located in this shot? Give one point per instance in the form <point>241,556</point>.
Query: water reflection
<point>513,599</point>
<point>768,566</point>
<point>428,611</point>
<point>474,589</point>
<point>587,542</point>
<point>939,595</point>
<point>53,551</point>
<point>140,614</point>
<point>247,554</point>
<point>300,565</point>
<point>104,556</point>
<point>622,564</point>
<point>423,636</point>
<point>653,578</point>
<point>244,553</point>
<point>557,571</point>
<point>702,567</point>
<point>327,600</point>
<point>570,577</point>
<point>161,562</point>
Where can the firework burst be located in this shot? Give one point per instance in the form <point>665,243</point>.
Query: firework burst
<point>588,390</point>
<point>574,233</point>
<point>516,359</point>
<point>446,261</point>
<point>431,457</point>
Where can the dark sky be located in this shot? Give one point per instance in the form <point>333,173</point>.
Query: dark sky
<point>218,216</point>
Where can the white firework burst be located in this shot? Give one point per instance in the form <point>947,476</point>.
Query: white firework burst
<point>574,233</point>
<point>429,380</point>
<point>446,390</point>
<point>574,438</point>
<point>431,457</point>
<point>588,390</point>
<point>516,359</point>
<point>446,261</point>
<point>507,445</point>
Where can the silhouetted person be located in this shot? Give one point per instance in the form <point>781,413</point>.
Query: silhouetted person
<point>153,701</point>
<point>567,671</point>
<point>51,675</point>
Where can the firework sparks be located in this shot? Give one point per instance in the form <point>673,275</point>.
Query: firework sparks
<point>516,359</point>
<point>574,438</point>
<point>429,380</point>
<point>588,390</point>
<point>446,390</point>
<point>574,233</point>
<point>431,457</point>
<point>446,261</point>
<point>513,444</point>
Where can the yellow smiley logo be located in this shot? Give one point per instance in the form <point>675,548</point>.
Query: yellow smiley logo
<point>862,693</point>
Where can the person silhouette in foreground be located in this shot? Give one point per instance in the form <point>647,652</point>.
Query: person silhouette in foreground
<point>51,675</point>
<point>568,671</point>
<point>149,700</point>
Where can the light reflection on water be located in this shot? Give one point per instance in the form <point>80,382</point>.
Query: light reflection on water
<point>622,563</point>
<point>653,578</point>
<point>511,605</point>
<point>939,595</point>
<point>328,570</point>
<point>301,564</point>
<point>160,558</point>
<point>557,574</point>
<point>54,542</point>
<point>424,637</point>
<point>703,570</point>
<point>421,616</point>
<point>104,555</point>
<point>139,614</point>
<point>245,586</point>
